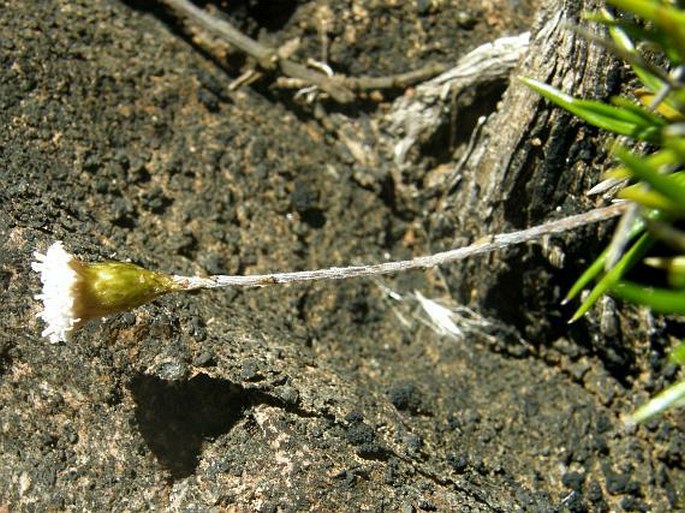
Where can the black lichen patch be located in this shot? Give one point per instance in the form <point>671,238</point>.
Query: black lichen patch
<point>305,200</point>
<point>407,397</point>
<point>363,437</point>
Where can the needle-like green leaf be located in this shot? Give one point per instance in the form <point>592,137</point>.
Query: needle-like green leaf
<point>672,397</point>
<point>657,299</point>
<point>597,266</point>
<point>657,160</point>
<point>613,275</point>
<point>639,193</point>
<point>588,275</point>
<point>624,42</point>
<point>621,120</point>
<point>669,22</point>
<point>669,186</point>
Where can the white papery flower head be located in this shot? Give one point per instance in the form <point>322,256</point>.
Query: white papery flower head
<point>75,291</point>
<point>56,268</point>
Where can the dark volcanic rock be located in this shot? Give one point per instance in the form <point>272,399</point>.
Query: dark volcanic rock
<point>120,138</point>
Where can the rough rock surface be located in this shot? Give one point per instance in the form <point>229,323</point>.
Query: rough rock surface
<point>119,136</point>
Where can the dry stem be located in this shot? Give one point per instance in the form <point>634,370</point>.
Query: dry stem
<point>483,245</point>
<point>340,87</point>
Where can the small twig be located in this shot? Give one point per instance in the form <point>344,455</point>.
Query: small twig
<point>265,56</point>
<point>483,245</point>
<point>393,81</point>
<point>339,87</point>
<point>296,70</point>
<point>456,174</point>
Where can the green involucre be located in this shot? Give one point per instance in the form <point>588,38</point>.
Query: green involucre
<point>110,287</point>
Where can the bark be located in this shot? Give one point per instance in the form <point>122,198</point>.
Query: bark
<point>532,162</point>
<point>522,160</point>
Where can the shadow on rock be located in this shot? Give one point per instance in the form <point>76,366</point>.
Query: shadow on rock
<point>176,417</point>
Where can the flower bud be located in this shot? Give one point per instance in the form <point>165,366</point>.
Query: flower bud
<point>74,291</point>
